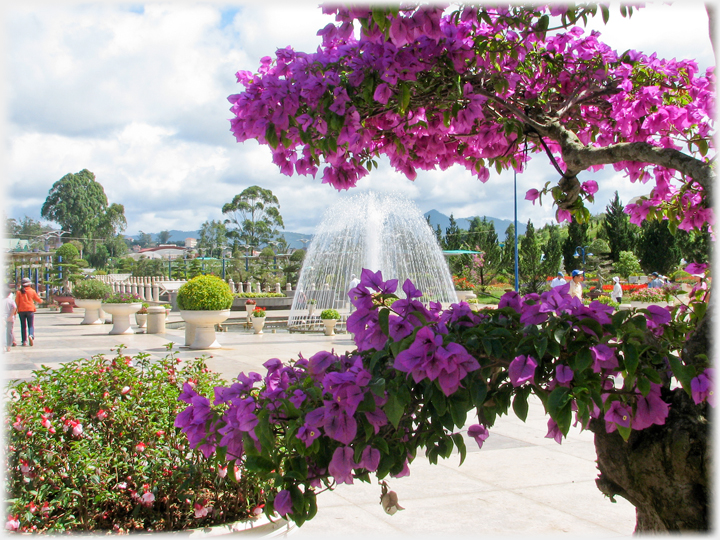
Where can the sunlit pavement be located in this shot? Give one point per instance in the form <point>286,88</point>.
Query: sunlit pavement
<point>519,483</point>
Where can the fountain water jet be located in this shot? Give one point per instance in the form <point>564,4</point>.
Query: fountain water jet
<point>378,232</point>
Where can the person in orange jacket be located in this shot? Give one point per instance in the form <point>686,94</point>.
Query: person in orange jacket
<point>25,299</point>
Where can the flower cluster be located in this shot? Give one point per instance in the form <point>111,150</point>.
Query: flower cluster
<point>122,298</point>
<point>91,446</point>
<point>462,283</point>
<point>419,370</point>
<point>359,97</point>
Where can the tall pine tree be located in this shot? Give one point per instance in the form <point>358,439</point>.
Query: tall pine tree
<point>553,252</point>
<point>620,233</point>
<point>577,237</point>
<point>657,248</point>
<point>530,266</point>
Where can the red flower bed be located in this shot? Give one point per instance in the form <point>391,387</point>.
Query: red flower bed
<point>627,287</point>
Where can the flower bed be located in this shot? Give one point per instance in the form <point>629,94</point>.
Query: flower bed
<point>92,446</point>
<point>627,287</point>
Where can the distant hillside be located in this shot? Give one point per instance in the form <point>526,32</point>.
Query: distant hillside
<point>293,239</point>
<point>501,225</point>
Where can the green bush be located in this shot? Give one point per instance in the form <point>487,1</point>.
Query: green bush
<point>329,314</point>
<point>92,446</point>
<point>603,300</point>
<point>205,293</point>
<point>122,298</point>
<point>259,295</point>
<point>91,289</point>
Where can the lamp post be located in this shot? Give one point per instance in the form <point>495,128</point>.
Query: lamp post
<point>580,251</point>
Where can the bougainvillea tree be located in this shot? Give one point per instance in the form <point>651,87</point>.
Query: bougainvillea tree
<point>484,87</point>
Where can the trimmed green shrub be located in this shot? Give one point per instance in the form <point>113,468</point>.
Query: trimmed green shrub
<point>91,289</point>
<point>205,293</point>
<point>329,314</point>
<point>259,295</point>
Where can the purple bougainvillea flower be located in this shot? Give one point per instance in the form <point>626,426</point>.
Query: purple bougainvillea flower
<point>533,314</point>
<point>282,502</point>
<point>338,424</point>
<point>617,415</point>
<point>522,370</point>
<point>370,459</point>
<point>297,398</point>
<point>554,431</point>
<point>399,328</point>
<point>382,93</point>
<point>563,374</point>
<point>702,387</point>
<point>188,393</point>
<point>697,269</point>
<point>478,432</point>
<point>510,299</point>
<point>404,472</point>
<point>658,316</point>
<point>410,290</point>
<point>650,409</point>
<point>308,434</point>
<point>603,357</point>
<point>590,187</point>
<point>319,362</point>
<point>342,464</point>
<point>377,418</point>
<point>532,195</point>
<point>374,280</point>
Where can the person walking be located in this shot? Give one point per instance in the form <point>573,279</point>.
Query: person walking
<point>617,290</point>
<point>576,284</point>
<point>656,282</point>
<point>25,299</point>
<point>10,309</point>
<point>559,281</point>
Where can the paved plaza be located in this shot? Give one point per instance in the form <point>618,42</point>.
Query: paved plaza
<point>519,483</point>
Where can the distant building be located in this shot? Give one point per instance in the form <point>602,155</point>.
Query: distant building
<point>190,242</point>
<point>163,251</point>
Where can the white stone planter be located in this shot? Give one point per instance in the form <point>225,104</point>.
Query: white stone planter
<point>465,295</point>
<point>329,326</point>
<point>141,319</point>
<point>204,323</point>
<point>311,310</point>
<point>257,528</point>
<point>92,311</point>
<point>121,316</point>
<point>258,324</point>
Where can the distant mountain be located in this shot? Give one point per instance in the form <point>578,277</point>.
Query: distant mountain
<point>293,239</point>
<point>501,225</point>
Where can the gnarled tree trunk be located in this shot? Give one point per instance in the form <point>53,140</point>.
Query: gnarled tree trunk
<point>664,471</point>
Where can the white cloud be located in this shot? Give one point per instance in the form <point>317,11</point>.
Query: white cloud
<point>139,97</point>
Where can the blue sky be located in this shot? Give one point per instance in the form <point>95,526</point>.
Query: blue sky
<point>137,93</point>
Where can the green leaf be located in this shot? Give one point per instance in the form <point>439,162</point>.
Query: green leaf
<point>377,386</point>
<point>643,385</point>
<point>479,392</point>
<point>298,501</point>
<point>582,360</point>
<point>458,410</point>
<point>681,373</point>
<point>439,403</point>
<point>624,432</point>
<point>259,464</point>
<point>520,405</point>
<point>632,357</point>
<point>271,136</point>
<point>394,409</point>
<point>404,98</point>
<point>559,408</point>
<point>605,13</point>
<point>384,317</point>
<point>460,444</point>
<point>541,346</point>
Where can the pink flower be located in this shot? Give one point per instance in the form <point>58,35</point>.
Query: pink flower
<point>590,187</point>
<point>140,447</point>
<point>238,473</point>
<point>125,390</point>
<point>147,498</point>
<point>102,415</point>
<point>13,524</point>
<point>77,429</point>
<point>532,195</point>
<point>45,422</point>
<point>201,511</point>
<point>563,215</point>
<point>222,471</point>
<point>522,370</point>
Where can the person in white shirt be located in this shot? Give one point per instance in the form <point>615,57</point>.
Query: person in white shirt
<point>617,290</point>
<point>576,283</point>
<point>558,281</point>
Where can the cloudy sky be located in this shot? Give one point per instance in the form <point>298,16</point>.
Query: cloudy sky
<point>137,93</point>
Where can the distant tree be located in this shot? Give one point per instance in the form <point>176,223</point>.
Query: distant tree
<point>695,245</point>
<point>552,251</point>
<point>145,266</point>
<point>255,214</point>
<point>508,251</point>
<point>482,237</point>
<point>25,228</point>
<point>144,240</point>
<point>163,237</point>
<point>77,202</point>
<point>627,265</point>
<point>620,233</point>
<point>439,235</point>
<point>98,259</point>
<point>293,266</point>
<point>657,247</point>
<point>213,235</point>
<point>453,235</point>
<point>66,265</point>
<point>577,237</point>
<point>116,246</point>
<point>530,270</point>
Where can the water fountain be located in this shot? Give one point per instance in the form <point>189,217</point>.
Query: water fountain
<point>378,232</point>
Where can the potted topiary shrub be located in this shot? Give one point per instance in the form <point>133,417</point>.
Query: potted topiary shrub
<point>329,318</point>
<point>89,295</point>
<point>258,320</point>
<point>121,306</point>
<point>92,447</point>
<point>204,301</point>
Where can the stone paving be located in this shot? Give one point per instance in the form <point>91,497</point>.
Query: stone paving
<point>519,483</point>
